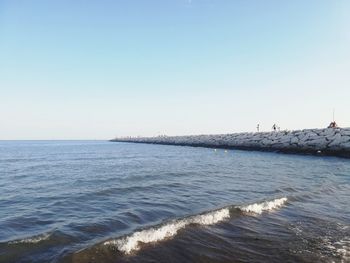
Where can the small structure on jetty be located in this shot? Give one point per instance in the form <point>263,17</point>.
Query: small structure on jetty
<point>329,141</point>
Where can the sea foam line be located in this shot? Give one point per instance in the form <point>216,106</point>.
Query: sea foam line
<point>32,240</point>
<point>258,208</point>
<point>132,242</point>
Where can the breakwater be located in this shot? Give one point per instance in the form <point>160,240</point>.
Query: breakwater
<point>329,141</point>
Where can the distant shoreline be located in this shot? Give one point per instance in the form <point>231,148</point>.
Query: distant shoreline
<point>324,142</point>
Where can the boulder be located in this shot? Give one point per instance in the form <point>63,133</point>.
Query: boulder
<point>345,138</point>
<point>318,143</point>
<point>279,145</point>
<point>285,139</point>
<point>266,142</point>
<point>329,132</point>
<point>334,137</point>
<point>345,145</point>
<point>303,137</point>
<point>294,140</point>
<point>345,132</point>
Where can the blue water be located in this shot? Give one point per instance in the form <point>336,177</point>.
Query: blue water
<point>63,201</point>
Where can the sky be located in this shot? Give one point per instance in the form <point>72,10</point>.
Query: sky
<point>101,69</point>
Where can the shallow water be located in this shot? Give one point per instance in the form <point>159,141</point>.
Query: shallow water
<point>95,201</point>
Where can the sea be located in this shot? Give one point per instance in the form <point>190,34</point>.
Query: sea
<point>100,201</point>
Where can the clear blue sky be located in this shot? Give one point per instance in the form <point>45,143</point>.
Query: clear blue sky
<point>99,69</point>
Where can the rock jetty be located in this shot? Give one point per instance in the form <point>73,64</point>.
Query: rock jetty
<point>330,141</point>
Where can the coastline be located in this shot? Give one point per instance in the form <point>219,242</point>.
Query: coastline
<point>326,142</point>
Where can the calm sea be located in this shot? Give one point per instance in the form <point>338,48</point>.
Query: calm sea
<point>96,201</point>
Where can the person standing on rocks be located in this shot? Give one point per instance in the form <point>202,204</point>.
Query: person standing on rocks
<point>258,127</point>
<point>333,124</point>
<point>274,127</point>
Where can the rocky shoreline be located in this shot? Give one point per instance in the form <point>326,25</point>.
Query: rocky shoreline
<point>330,141</point>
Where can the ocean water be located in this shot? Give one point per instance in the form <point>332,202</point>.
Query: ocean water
<point>96,201</point>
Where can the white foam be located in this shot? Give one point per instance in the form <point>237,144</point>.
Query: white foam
<point>343,249</point>
<point>130,243</point>
<point>340,248</point>
<point>211,217</point>
<point>32,240</point>
<point>258,208</point>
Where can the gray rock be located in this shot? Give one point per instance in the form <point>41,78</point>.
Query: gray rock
<point>280,145</point>
<point>345,132</point>
<point>337,140</point>
<point>303,137</point>
<point>345,138</point>
<point>294,140</point>
<point>285,139</point>
<point>329,132</point>
<point>345,145</point>
<point>334,137</point>
<point>318,143</point>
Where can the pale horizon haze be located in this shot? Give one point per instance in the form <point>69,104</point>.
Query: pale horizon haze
<point>101,69</point>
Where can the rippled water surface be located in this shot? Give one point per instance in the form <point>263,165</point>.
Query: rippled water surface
<point>95,201</point>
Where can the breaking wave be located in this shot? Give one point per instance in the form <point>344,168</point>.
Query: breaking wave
<point>132,242</point>
<point>258,208</point>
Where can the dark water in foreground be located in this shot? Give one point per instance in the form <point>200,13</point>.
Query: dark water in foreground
<point>92,201</point>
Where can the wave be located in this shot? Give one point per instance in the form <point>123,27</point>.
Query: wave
<point>258,208</point>
<point>132,242</point>
<point>31,240</point>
